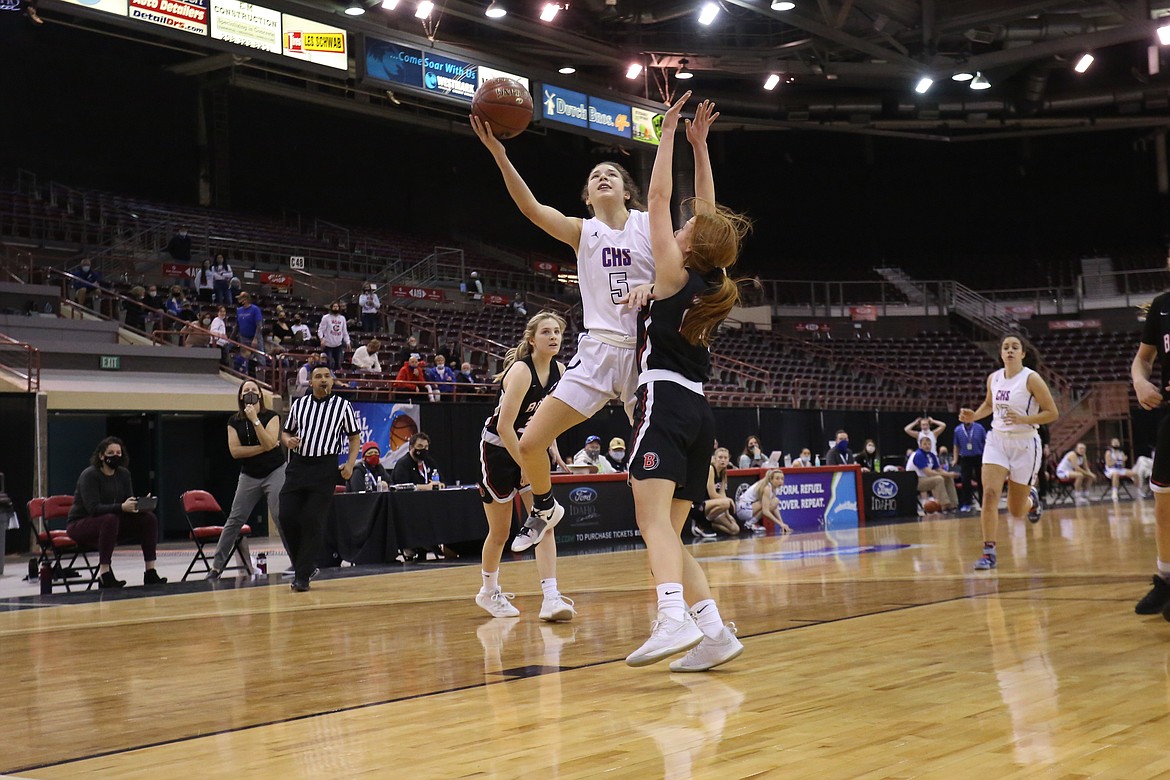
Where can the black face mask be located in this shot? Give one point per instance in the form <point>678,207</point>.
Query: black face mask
<point>113,461</point>
<point>419,454</point>
<point>251,398</point>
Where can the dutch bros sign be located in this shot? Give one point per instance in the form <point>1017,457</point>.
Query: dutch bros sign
<point>564,105</point>
<point>609,117</point>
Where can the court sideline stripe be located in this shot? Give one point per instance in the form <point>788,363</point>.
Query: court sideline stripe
<point>461,688</point>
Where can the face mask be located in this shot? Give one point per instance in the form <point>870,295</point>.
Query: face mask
<point>176,295</point>
<point>85,268</point>
<point>843,445</point>
<point>372,459</point>
<point>153,292</point>
<point>617,454</point>
<point>419,454</point>
<point>870,449</point>
<point>251,398</point>
<point>113,461</point>
<point>207,320</point>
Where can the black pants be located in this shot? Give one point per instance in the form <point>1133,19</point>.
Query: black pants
<point>970,468</point>
<point>304,502</point>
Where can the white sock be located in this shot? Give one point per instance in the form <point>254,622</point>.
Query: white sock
<point>549,587</point>
<point>670,601</point>
<point>1164,569</point>
<point>707,616</point>
<point>491,580</point>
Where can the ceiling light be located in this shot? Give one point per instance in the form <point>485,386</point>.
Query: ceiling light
<point>634,70</point>
<point>1164,35</point>
<point>424,9</point>
<point>782,5</point>
<point>709,12</point>
<point>962,76</point>
<point>495,10</point>
<point>923,85</point>
<point>549,11</point>
<point>567,70</point>
<point>355,9</point>
<point>773,80</point>
<point>979,82</point>
<point>683,71</point>
<point>389,5</point>
<point>1084,63</point>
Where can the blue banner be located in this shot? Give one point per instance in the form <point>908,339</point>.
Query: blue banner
<point>564,105</point>
<point>390,426</point>
<point>428,71</point>
<point>812,499</point>
<point>608,117</point>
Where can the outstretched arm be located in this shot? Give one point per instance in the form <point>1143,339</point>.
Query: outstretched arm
<point>705,116</point>
<point>548,219</point>
<point>669,274</point>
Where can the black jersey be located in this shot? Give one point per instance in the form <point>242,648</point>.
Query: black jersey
<point>532,398</point>
<point>1157,333</point>
<point>661,345</point>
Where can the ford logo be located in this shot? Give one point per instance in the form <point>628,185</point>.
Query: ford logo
<point>885,488</point>
<point>583,495</point>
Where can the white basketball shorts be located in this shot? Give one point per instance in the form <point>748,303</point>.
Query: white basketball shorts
<point>1020,455</point>
<point>598,373</point>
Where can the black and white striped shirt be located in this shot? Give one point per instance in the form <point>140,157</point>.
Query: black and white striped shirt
<point>322,425</point>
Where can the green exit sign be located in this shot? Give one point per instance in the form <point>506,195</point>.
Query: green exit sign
<point>111,362</point>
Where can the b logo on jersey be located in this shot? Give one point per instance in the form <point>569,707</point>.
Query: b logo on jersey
<point>649,461</point>
<point>615,256</point>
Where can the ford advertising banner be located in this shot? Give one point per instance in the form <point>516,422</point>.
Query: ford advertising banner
<point>892,494</point>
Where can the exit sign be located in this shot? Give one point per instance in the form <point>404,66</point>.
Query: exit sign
<point>111,362</point>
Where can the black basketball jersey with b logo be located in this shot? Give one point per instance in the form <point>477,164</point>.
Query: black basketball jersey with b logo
<point>661,345</point>
<point>1157,333</point>
<point>532,398</point>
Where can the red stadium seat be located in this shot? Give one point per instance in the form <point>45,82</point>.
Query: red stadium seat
<point>206,520</point>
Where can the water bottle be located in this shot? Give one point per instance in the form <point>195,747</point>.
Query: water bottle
<point>435,480</point>
<point>46,577</point>
<point>818,461</point>
<point>262,564</point>
<point>255,564</point>
<point>877,465</point>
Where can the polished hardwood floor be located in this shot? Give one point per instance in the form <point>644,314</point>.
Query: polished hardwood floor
<point>873,654</point>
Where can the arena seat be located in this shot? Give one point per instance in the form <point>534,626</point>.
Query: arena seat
<point>66,557</point>
<point>200,506</point>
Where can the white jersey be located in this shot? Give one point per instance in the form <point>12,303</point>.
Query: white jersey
<point>1012,395</point>
<point>610,263</point>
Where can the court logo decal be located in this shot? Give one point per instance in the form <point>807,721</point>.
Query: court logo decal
<point>649,461</point>
<point>820,552</point>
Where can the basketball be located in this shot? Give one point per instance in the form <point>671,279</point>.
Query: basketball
<point>931,506</point>
<point>504,104</point>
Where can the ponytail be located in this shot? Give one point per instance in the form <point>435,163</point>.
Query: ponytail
<point>715,242</point>
<point>518,352</point>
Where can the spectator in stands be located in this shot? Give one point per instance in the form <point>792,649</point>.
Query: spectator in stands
<point>154,306</point>
<point>87,285</point>
<point>449,354</point>
<point>135,311</point>
<point>467,376</point>
<point>931,477</point>
<point>927,425</point>
<point>805,460</point>
<point>281,330</point>
<point>365,357</point>
<point>371,307</point>
<point>616,454</point>
<point>970,439</point>
<point>410,384</point>
<point>868,458</point>
<point>518,304</point>
<point>305,374</point>
<point>218,330</point>
<point>179,247</point>
<point>176,305</point>
<point>249,321</point>
<point>442,380</point>
<point>246,361</point>
<point>197,332</point>
<point>105,511</point>
<point>760,501</point>
<point>301,332</point>
<point>334,334</point>
<point>369,475</point>
<point>221,280</point>
<point>1115,469</point>
<point>474,286</point>
<point>715,511</point>
<point>753,455</point>
<point>590,455</point>
<point>204,283</point>
<point>410,348</point>
<point>840,454</point>
<point>1074,466</point>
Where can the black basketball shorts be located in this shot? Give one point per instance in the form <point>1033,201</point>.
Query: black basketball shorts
<point>674,436</point>
<point>500,477</point>
<point>1160,474</point>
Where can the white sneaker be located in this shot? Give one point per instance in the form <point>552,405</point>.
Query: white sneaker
<point>536,526</point>
<point>710,652</point>
<point>557,610</point>
<point>497,604</point>
<point>667,637</point>
<point>1115,496</point>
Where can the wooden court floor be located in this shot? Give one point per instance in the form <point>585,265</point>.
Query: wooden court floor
<point>877,654</point>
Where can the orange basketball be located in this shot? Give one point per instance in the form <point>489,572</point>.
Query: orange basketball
<point>931,506</point>
<point>505,105</point>
<point>401,429</point>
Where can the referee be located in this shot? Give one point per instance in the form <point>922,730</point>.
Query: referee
<point>313,434</point>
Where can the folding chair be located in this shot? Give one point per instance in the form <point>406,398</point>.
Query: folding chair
<point>1062,491</point>
<point>49,517</point>
<point>1122,487</point>
<point>199,506</point>
<point>339,489</point>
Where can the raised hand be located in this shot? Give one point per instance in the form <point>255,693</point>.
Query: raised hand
<point>705,116</point>
<point>670,120</point>
<point>483,131</point>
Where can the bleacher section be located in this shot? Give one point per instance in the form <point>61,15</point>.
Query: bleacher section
<point>1087,356</point>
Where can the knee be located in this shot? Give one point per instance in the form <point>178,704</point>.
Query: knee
<point>529,448</point>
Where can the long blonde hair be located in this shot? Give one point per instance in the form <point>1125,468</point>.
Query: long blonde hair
<point>767,480</point>
<point>716,238</point>
<point>522,350</point>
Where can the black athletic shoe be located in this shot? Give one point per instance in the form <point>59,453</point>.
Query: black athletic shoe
<point>108,580</point>
<point>151,578</point>
<point>299,586</point>
<point>1157,600</point>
